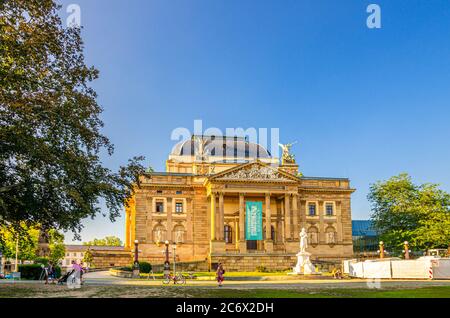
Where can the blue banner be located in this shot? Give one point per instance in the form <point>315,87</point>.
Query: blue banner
<point>253,221</point>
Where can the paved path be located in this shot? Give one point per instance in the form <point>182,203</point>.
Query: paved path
<point>104,278</point>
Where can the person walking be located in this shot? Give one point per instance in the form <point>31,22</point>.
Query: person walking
<point>75,277</point>
<point>51,272</point>
<point>220,274</point>
<point>46,270</point>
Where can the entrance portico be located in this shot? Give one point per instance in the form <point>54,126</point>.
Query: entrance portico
<point>278,193</point>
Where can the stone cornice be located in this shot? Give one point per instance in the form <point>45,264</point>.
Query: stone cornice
<point>164,185</point>
<point>321,189</point>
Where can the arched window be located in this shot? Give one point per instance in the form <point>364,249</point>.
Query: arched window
<point>159,233</point>
<point>313,235</point>
<point>228,234</point>
<point>179,234</point>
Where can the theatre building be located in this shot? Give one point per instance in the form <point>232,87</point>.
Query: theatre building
<point>225,199</point>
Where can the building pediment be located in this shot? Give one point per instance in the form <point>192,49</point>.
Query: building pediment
<point>254,172</point>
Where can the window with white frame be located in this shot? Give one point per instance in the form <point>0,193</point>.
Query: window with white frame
<point>159,206</point>
<point>329,209</point>
<point>178,207</point>
<point>312,209</point>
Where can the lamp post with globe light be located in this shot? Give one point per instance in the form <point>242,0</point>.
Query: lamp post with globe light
<point>166,243</point>
<point>174,246</point>
<point>136,260</point>
<point>167,263</point>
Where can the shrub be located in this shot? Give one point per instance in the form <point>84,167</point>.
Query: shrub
<point>30,271</point>
<point>126,268</point>
<point>34,271</point>
<point>261,269</point>
<point>145,267</point>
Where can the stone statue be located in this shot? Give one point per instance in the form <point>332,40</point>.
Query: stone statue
<point>303,240</point>
<point>200,148</point>
<point>179,236</point>
<point>158,235</point>
<point>286,155</point>
<point>312,238</point>
<point>304,265</point>
<point>331,237</point>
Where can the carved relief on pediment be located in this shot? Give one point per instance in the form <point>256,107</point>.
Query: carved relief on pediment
<point>256,173</point>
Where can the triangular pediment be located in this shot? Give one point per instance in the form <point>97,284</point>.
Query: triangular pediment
<point>254,172</point>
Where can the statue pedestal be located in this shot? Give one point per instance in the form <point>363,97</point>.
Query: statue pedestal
<point>304,265</point>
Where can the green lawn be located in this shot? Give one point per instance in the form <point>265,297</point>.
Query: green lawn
<point>426,292</point>
<point>37,290</point>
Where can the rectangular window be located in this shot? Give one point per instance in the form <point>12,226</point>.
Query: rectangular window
<point>160,207</point>
<point>329,209</point>
<point>179,207</point>
<point>179,192</point>
<point>312,209</point>
<point>159,191</point>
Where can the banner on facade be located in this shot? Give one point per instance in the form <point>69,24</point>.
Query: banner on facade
<point>253,221</point>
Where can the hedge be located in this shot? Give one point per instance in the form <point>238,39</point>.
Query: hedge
<point>145,267</point>
<point>33,271</point>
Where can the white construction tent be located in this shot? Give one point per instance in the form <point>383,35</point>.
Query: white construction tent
<point>427,267</point>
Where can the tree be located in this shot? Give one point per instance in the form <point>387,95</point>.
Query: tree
<point>56,246</point>
<point>106,241</point>
<point>28,243</point>
<point>403,211</point>
<point>88,258</point>
<point>50,127</point>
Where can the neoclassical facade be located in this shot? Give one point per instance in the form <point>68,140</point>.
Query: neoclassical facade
<point>201,203</point>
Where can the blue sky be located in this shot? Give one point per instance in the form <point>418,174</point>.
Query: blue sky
<point>363,103</point>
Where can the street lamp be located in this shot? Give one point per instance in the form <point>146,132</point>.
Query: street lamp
<point>136,251</point>
<point>167,251</point>
<point>136,259</point>
<point>174,258</point>
<point>167,263</point>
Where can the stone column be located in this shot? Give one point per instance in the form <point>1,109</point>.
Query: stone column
<point>216,246</point>
<point>287,217</point>
<point>339,229</point>
<point>295,216</point>
<point>213,216</point>
<point>127,227</point>
<point>236,233</point>
<point>322,234</point>
<point>268,243</point>
<point>220,235</point>
<point>189,223</point>
<point>242,242</point>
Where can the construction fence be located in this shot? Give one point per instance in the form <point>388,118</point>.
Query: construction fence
<point>426,267</point>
